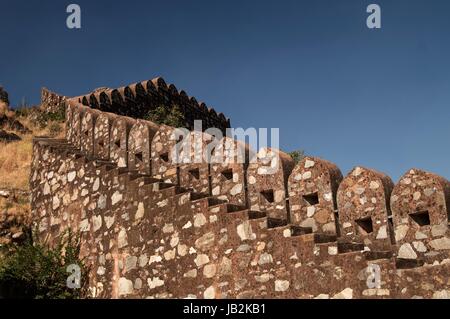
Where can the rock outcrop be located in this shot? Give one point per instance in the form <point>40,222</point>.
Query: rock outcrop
<point>4,96</point>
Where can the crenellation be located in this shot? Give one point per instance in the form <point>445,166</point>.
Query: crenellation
<point>364,210</point>
<point>102,135</point>
<point>88,120</point>
<point>118,143</point>
<point>194,170</point>
<point>139,141</point>
<point>137,99</point>
<point>313,187</point>
<point>164,164</point>
<point>229,163</point>
<point>263,227</point>
<point>76,126</point>
<point>420,215</point>
<point>51,102</point>
<point>267,178</point>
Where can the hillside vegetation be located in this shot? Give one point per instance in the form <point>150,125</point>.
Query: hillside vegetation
<point>17,128</point>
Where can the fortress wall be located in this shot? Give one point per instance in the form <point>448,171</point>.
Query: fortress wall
<point>138,99</point>
<point>363,203</point>
<point>52,102</point>
<point>420,209</point>
<point>150,228</point>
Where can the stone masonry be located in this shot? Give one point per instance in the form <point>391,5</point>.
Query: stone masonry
<point>136,100</point>
<point>264,228</point>
<point>51,102</point>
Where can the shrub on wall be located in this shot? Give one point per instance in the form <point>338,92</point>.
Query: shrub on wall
<point>40,272</point>
<point>171,116</point>
<point>297,156</point>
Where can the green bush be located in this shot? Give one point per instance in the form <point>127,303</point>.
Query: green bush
<point>171,116</point>
<point>297,155</point>
<point>40,272</point>
<point>44,118</point>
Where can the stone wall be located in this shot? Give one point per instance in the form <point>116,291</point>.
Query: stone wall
<point>52,102</point>
<point>136,100</point>
<point>154,229</point>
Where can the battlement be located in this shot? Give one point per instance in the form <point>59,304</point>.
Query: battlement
<point>52,102</point>
<point>137,99</point>
<point>152,227</point>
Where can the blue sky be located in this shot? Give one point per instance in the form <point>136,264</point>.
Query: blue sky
<point>354,96</point>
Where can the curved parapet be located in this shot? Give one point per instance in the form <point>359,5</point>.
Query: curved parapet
<point>194,167</point>
<point>105,101</point>
<point>88,119</point>
<point>141,135</point>
<point>69,120</point>
<point>267,178</point>
<point>136,100</point>
<point>85,101</point>
<point>150,87</point>
<point>363,203</point>
<point>77,113</point>
<point>102,130</point>
<point>164,164</point>
<point>229,164</point>
<point>420,207</point>
<point>118,101</point>
<point>313,186</point>
<point>93,101</point>
<point>120,130</point>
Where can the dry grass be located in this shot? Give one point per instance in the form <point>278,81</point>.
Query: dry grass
<point>14,209</point>
<point>15,161</point>
<point>15,219</point>
<point>15,158</point>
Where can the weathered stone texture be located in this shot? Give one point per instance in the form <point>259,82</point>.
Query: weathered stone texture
<point>229,163</point>
<point>194,169</point>
<point>141,135</point>
<point>364,211</point>
<point>164,156</point>
<point>267,178</point>
<point>313,186</point>
<point>138,99</point>
<point>52,102</point>
<point>420,206</point>
<point>154,228</point>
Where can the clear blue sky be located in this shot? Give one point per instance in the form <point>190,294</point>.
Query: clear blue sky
<point>354,96</point>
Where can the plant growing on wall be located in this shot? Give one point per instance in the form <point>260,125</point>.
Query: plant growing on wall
<point>297,155</point>
<point>171,116</point>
